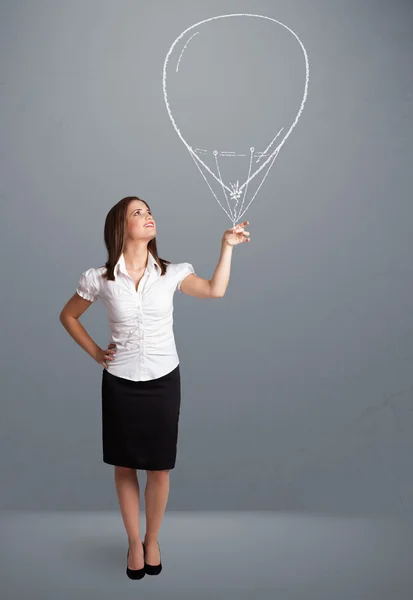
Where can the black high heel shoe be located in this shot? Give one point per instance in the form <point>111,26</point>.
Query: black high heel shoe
<point>134,573</point>
<point>152,569</point>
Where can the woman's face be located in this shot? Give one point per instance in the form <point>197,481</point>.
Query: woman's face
<point>138,216</point>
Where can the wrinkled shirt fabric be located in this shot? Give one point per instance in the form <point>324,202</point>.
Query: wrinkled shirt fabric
<point>140,321</point>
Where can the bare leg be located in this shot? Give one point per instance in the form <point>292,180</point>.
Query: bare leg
<point>156,498</point>
<point>127,489</point>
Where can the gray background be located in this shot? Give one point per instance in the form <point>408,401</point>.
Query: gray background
<point>297,390</point>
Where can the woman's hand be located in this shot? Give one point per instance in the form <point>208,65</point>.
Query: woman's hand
<point>236,235</point>
<point>104,356</point>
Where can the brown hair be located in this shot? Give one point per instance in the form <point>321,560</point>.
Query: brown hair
<point>114,236</point>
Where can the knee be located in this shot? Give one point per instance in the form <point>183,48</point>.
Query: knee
<point>160,474</point>
<point>124,470</point>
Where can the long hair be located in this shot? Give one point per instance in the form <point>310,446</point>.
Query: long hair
<point>114,236</point>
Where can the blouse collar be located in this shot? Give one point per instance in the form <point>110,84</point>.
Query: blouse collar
<point>121,265</point>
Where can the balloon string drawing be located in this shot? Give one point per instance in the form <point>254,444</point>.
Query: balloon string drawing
<point>210,161</point>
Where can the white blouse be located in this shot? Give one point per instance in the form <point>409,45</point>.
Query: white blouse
<point>141,322</point>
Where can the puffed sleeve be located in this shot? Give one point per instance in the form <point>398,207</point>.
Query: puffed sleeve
<point>88,286</point>
<point>183,269</point>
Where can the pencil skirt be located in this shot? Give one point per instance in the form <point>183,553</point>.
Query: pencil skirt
<point>140,421</point>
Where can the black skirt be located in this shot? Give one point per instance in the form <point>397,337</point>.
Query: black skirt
<point>140,421</point>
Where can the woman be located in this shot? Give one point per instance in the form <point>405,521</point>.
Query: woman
<point>141,391</point>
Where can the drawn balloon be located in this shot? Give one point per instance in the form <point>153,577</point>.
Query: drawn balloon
<point>235,87</point>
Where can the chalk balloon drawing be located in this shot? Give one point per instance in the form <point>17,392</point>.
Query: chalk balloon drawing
<point>235,87</point>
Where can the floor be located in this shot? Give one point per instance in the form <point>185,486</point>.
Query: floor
<point>228,556</point>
